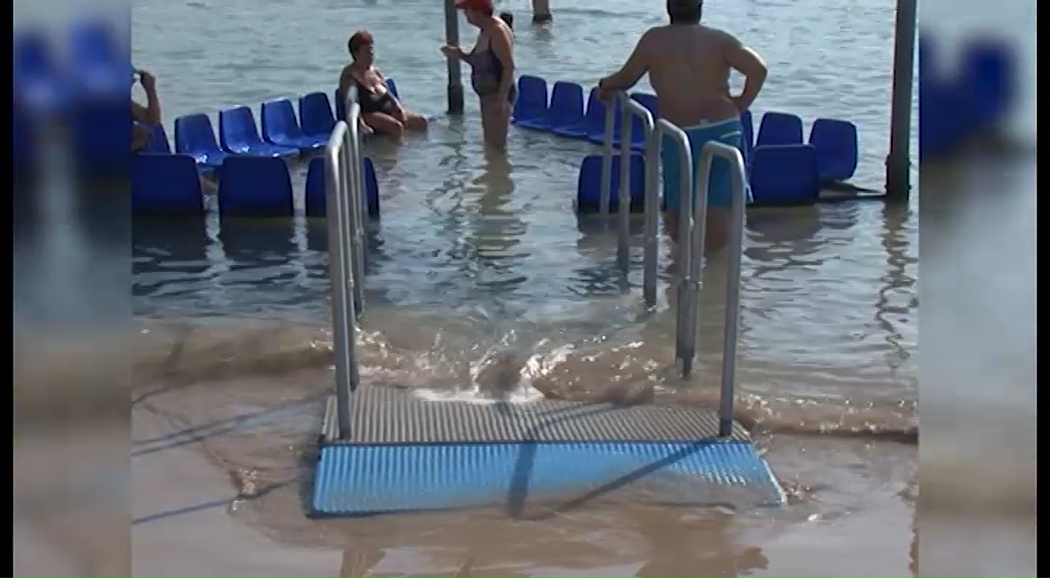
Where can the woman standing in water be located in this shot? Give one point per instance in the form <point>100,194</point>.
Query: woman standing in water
<point>492,68</point>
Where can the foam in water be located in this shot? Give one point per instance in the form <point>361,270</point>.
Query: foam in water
<point>499,378</point>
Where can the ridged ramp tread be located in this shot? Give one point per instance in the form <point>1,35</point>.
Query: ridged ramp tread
<point>381,415</point>
<point>355,480</point>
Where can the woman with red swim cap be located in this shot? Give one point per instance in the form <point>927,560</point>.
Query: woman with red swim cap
<point>492,68</point>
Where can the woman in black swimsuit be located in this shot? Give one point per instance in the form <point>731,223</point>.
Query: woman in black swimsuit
<point>381,112</point>
<point>492,64</point>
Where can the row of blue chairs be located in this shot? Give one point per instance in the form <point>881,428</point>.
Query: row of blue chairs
<point>785,161</point>
<point>786,176</point>
<point>249,186</point>
<point>956,108</point>
<point>97,61</point>
<point>283,135</point>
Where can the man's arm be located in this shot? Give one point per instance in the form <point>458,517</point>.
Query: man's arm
<point>750,64</point>
<point>633,70</point>
<point>501,48</point>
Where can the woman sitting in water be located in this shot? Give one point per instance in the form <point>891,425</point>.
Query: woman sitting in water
<point>492,64</point>
<point>381,112</point>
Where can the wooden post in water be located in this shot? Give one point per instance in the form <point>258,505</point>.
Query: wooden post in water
<point>898,162</point>
<point>455,82</point>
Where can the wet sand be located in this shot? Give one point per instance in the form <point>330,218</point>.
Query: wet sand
<point>200,510</point>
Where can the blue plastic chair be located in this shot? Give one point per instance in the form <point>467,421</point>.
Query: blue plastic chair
<point>531,107</point>
<point>589,184</point>
<point>99,144</point>
<point>779,128</point>
<point>99,63</point>
<point>315,114</point>
<point>748,121</point>
<point>252,186</point>
<point>783,175</point>
<point>316,195</point>
<point>23,141</point>
<point>836,144</point>
<point>593,118</point>
<point>158,143</point>
<point>940,111</point>
<point>195,136</point>
<point>35,74</point>
<point>565,110</point>
<point>238,134</point>
<point>987,83</point>
<point>596,119</point>
<point>280,128</point>
<point>166,185</point>
<point>93,43</point>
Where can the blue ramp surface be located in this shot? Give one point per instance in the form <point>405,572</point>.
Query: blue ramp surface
<point>403,453</point>
<point>356,480</point>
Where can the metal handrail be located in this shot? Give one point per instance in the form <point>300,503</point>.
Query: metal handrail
<point>692,232</point>
<point>693,243</point>
<point>344,172</point>
<point>629,109</point>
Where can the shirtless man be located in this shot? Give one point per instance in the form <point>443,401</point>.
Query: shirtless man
<point>689,65</point>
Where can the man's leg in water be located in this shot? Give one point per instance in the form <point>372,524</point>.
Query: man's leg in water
<point>541,11</point>
<point>719,213</point>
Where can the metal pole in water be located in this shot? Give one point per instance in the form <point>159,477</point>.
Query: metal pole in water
<point>898,162</point>
<point>350,221</point>
<point>623,246</point>
<point>697,241</point>
<point>652,215</point>
<point>732,313</point>
<point>455,82</point>
<point>685,210</point>
<point>605,192</point>
<point>343,336</point>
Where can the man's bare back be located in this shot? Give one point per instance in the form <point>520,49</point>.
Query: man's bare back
<point>688,67</point>
<point>689,70</point>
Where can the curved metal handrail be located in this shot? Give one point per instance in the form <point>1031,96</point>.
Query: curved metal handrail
<point>344,192</point>
<point>691,234</point>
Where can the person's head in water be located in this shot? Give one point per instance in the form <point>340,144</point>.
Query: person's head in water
<point>684,11</point>
<point>478,12</point>
<point>361,47</point>
<point>508,18</point>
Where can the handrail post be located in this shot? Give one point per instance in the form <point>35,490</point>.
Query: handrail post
<point>653,149</point>
<point>736,251</point>
<point>354,179</point>
<point>623,245</point>
<point>343,329</point>
<point>683,354</point>
<point>605,192</point>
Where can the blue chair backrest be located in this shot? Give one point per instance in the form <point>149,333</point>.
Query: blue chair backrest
<point>194,132</point>
<point>255,187</point>
<point>166,184</point>
<point>779,128</point>
<point>315,114</point>
<point>278,119</point>
<point>237,126</point>
<point>532,97</point>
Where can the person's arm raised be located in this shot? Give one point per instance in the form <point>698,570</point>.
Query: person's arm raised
<point>750,64</point>
<point>633,70</point>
